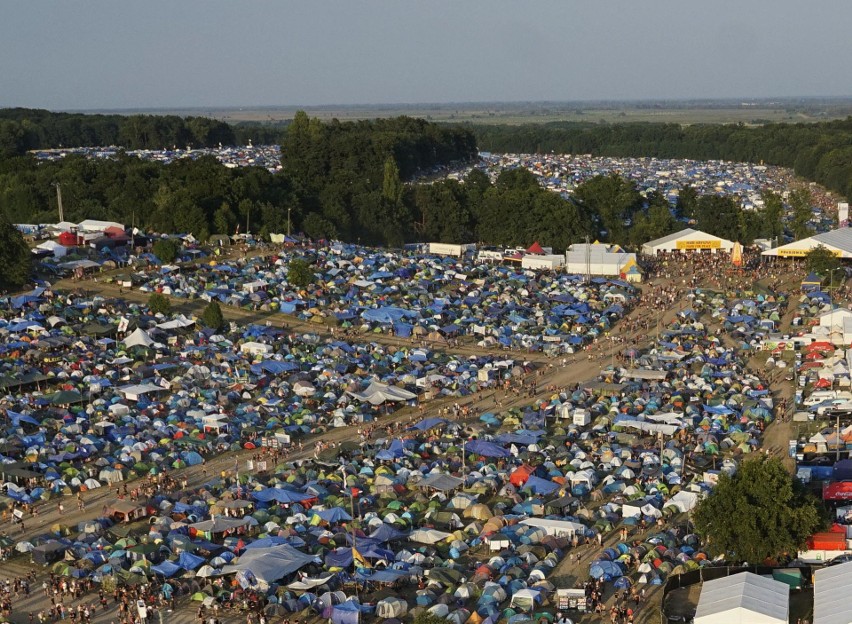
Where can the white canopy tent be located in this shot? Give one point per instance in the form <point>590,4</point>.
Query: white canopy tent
<point>139,338</point>
<point>378,393</point>
<point>743,598</point>
<point>831,594</point>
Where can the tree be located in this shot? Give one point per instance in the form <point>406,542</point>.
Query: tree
<point>760,513</point>
<point>687,201</point>
<point>821,261</point>
<point>166,249</point>
<point>719,216</point>
<point>800,202</point>
<point>212,316</point>
<point>772,213</point>
<point>391,184</point>
<point>613,198</point>
<point>158,303</point>
<point>299,273</point>
<point>15,257</point>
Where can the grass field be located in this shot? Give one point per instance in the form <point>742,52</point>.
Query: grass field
<point>686,113</point>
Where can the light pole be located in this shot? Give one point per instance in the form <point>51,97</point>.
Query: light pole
<point>831,277</point>
<point>352,526</point>
<point>288,221</point>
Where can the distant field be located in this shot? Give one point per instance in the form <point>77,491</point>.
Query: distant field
<point>797,111</point>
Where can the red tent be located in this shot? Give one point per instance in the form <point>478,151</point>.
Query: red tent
<point>535,248</point>
<point>520,475</point>
<point>69,239</point>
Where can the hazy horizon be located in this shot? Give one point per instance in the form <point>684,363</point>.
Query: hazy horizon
<point>101,55</point>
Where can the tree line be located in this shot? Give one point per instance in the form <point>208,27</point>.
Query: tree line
<point>352,180</point>
<point>25,129</point>
<point>820,152</point>
<point>340,180</point>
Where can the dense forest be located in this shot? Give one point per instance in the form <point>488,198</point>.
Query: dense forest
<point>352,180</point>
<point>820,152</point>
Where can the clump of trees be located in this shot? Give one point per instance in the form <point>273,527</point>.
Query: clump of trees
<point>761,513</point>
<point>15,257</point>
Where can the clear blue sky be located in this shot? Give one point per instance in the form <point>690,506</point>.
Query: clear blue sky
<point>85,54</point>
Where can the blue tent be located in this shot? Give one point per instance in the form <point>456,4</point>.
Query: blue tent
<point>386,533</point>
<point>538,485</point>
<point>273,367</point>
<point>486,449</point>
<point>281,496</point>
<point>348,612</point>
<point>166,568</point>
<point>334,515</point>
<point>607,570</point>
<point>188,561</point>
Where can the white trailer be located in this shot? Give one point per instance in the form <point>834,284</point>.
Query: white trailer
<point>542,263</point>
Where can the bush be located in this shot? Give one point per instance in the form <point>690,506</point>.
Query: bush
<point>158,303</point>
<point>165,249</point>
<point>212,316</point>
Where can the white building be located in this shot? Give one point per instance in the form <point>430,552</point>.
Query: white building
<point>743,598</point>
<point>838,241</point>
<point>687,240</point>
<point>831,594</point>
<point>602,263</point>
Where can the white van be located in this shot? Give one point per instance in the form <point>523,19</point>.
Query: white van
<point>819,396</point>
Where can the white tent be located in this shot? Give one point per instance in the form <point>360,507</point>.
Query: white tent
<point>270,564</point>
<point>687,240</point>
<point>378,393</point>
<point>427,536</point>
<point>831,600</point>
<point>744,598</point>
<point>611,264</point>
<point>53,247</point>
<point>556,528</point>
<point>137,391</point>
<point>177,323</point>
<point>139,338</point>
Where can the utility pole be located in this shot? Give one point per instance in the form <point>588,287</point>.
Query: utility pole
<point>288,221</point>
<point>588,260</point>
<point>133,231</point>
<point>59,201</point>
